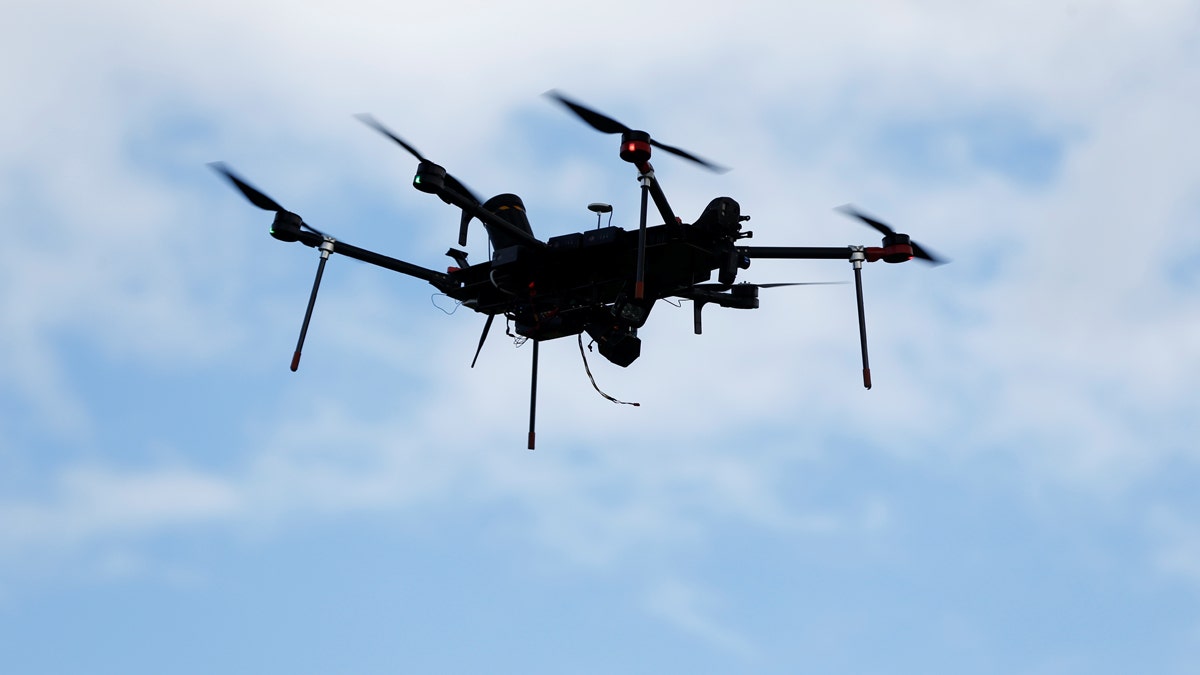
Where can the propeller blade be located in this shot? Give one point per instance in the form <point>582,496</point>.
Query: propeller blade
<point>605,124</point>
<point>258,198</point>
<point>854,213</point>
<point>715,168</point>
<point>449,181</point>
<point>456,185</point>
<point>802,283</point>
<point>597,121</point>
<point>374,124</point>
<point>725,287</point>
<point>249,191</point>
<point>886,231</point>
<point>926,255</point>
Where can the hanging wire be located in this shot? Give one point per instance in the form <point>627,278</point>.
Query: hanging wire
<point>593,379</point>
<point>518,340</point>
<point>457,303</point>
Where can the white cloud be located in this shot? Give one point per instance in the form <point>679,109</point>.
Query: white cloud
<point>1178,544</point>
<point>690,610</point>
<point>98,503</point>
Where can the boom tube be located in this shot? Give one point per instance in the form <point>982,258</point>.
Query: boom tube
<point>797,252</point>
<point>439,280</point>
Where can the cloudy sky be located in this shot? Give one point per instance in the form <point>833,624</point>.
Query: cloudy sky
<point>1015,495</point>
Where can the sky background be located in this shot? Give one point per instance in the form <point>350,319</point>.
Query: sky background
<point>1015,495</point>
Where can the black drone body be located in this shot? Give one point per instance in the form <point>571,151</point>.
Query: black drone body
<point>602,282</point>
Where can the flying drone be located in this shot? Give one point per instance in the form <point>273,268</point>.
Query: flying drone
<point>602,282</point>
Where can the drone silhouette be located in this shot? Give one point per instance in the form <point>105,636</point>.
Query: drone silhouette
<point>603,282</point>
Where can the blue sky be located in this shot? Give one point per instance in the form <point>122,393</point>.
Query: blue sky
<point>1015,495</point>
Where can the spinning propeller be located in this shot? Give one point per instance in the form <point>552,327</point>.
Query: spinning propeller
<point>428,169</point>
<point>742,295</point>
<point>892,238</point>
<point>289,220</point>
<point>629,137</point>
<point>746,284</point>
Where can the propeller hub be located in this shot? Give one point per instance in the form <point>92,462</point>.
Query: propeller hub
<point>635,147</point>
<point>286,226</point>
<point>430,178</point>
<point>897,248</point>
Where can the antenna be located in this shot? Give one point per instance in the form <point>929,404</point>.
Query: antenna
<point>599,208</point>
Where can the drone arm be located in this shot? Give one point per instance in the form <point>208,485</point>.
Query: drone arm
<point>660,201</point>
<point>797,252</point>
<point>438,279</point>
